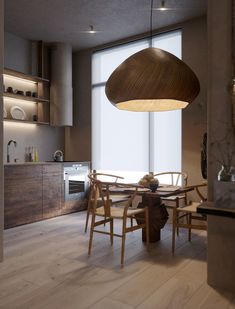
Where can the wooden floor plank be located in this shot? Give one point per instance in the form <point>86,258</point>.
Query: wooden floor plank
<point>175,292</point>
<point>165,267</point>
<point>107,303</point>
<point>206,297</point>
<point>46,266</point>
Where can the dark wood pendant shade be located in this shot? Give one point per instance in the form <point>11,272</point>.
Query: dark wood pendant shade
<point>152,80</point>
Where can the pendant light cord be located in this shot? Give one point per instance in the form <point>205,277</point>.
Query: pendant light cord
<point>151,25</point>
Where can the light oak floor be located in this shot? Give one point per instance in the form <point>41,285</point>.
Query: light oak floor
<point>46,266</point>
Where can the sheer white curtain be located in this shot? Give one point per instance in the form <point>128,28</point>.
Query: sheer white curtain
<point>128,143</point>
<point>120,139</point>
<point>166,135</point>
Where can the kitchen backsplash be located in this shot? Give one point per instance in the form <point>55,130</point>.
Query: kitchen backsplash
<point>45,139</point>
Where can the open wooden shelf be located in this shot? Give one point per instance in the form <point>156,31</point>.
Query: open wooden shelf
<point>14,73</point>
<point>18,81</point>
<point>26,121</point>
<point>24,97</point>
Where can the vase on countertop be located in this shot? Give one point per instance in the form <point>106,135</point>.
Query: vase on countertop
<point>225,174</point>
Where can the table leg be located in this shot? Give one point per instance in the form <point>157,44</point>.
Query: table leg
<point>158,216</point>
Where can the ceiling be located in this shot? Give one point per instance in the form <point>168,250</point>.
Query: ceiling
<point>66,20</point>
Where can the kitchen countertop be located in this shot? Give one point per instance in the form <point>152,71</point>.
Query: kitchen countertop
<point>42,162</point>
<point>209,208</point>
<point>28,163</point>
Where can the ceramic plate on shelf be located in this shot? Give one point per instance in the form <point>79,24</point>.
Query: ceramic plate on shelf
<point>4,112</point>
<point>17,113</point>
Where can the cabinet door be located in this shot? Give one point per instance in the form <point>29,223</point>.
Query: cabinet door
<point>73,206</point>
<point>52,190</point>
<point>22,194</point>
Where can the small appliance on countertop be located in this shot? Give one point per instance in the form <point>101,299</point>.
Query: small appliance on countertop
<point>58,156</point>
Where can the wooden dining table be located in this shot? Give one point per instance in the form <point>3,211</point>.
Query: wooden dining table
<point>158,214</point>
<point>162,190</point>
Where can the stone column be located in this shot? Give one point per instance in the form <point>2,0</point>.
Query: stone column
<point>220,75</point>
<point>1,129</point>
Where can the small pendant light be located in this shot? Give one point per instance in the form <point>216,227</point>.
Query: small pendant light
<point>152,80</point>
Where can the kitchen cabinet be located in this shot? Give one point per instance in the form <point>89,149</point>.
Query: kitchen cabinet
<point>22,194</point>
<point>26,98</point>
<point>35,191</point>
<point>52,183</point>
<point>73,206</point>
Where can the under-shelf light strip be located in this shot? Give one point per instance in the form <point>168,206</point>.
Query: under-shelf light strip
<point>20,79</point>
<point>16,124</point>
<point>16,100</point>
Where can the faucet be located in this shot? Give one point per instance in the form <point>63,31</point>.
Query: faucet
<point>8,145</point>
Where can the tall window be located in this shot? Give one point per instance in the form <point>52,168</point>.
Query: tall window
<point>132,143</point>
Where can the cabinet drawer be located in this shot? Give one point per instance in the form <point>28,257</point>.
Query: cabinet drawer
<point>52,170</point>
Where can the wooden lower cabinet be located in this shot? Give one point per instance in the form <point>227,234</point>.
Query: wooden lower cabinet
<point>35,192</point>
<point>73,206</point>
<point>52,181</point>
<point>22,194</point>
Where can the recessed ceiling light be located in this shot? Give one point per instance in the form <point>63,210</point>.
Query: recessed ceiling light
<point>91,30</point>
<point>163,7</point>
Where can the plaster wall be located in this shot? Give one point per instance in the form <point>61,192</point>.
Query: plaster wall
<point>18,53</point>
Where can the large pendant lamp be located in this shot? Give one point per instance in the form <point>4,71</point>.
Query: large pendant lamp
<point>152,80</point>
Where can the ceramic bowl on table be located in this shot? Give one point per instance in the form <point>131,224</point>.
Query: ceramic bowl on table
<point>153,187</point>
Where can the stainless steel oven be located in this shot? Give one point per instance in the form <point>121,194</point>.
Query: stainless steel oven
<point>75,180</point>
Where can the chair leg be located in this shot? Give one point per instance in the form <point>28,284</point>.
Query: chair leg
<point>147,227</point>
<point>87,215</point>
<point>91,233</point>
<point>177,228</point>
<point>177,205</point>
<point>173,230</point>
<point>123,240</point>
<point>89,206</point>
<point>111,231</point>
<point>189,230</point>
<point>131,217</point>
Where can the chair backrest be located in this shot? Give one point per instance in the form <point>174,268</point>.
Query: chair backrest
<point>106,177</point>
<point>172,178</point>
<point>101,177</point>
<point>101,189</point>
<point>199,189</point>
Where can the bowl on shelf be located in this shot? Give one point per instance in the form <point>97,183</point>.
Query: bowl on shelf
<point>20,92</point>
<point>28,93</point>
<point>10,89</point>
